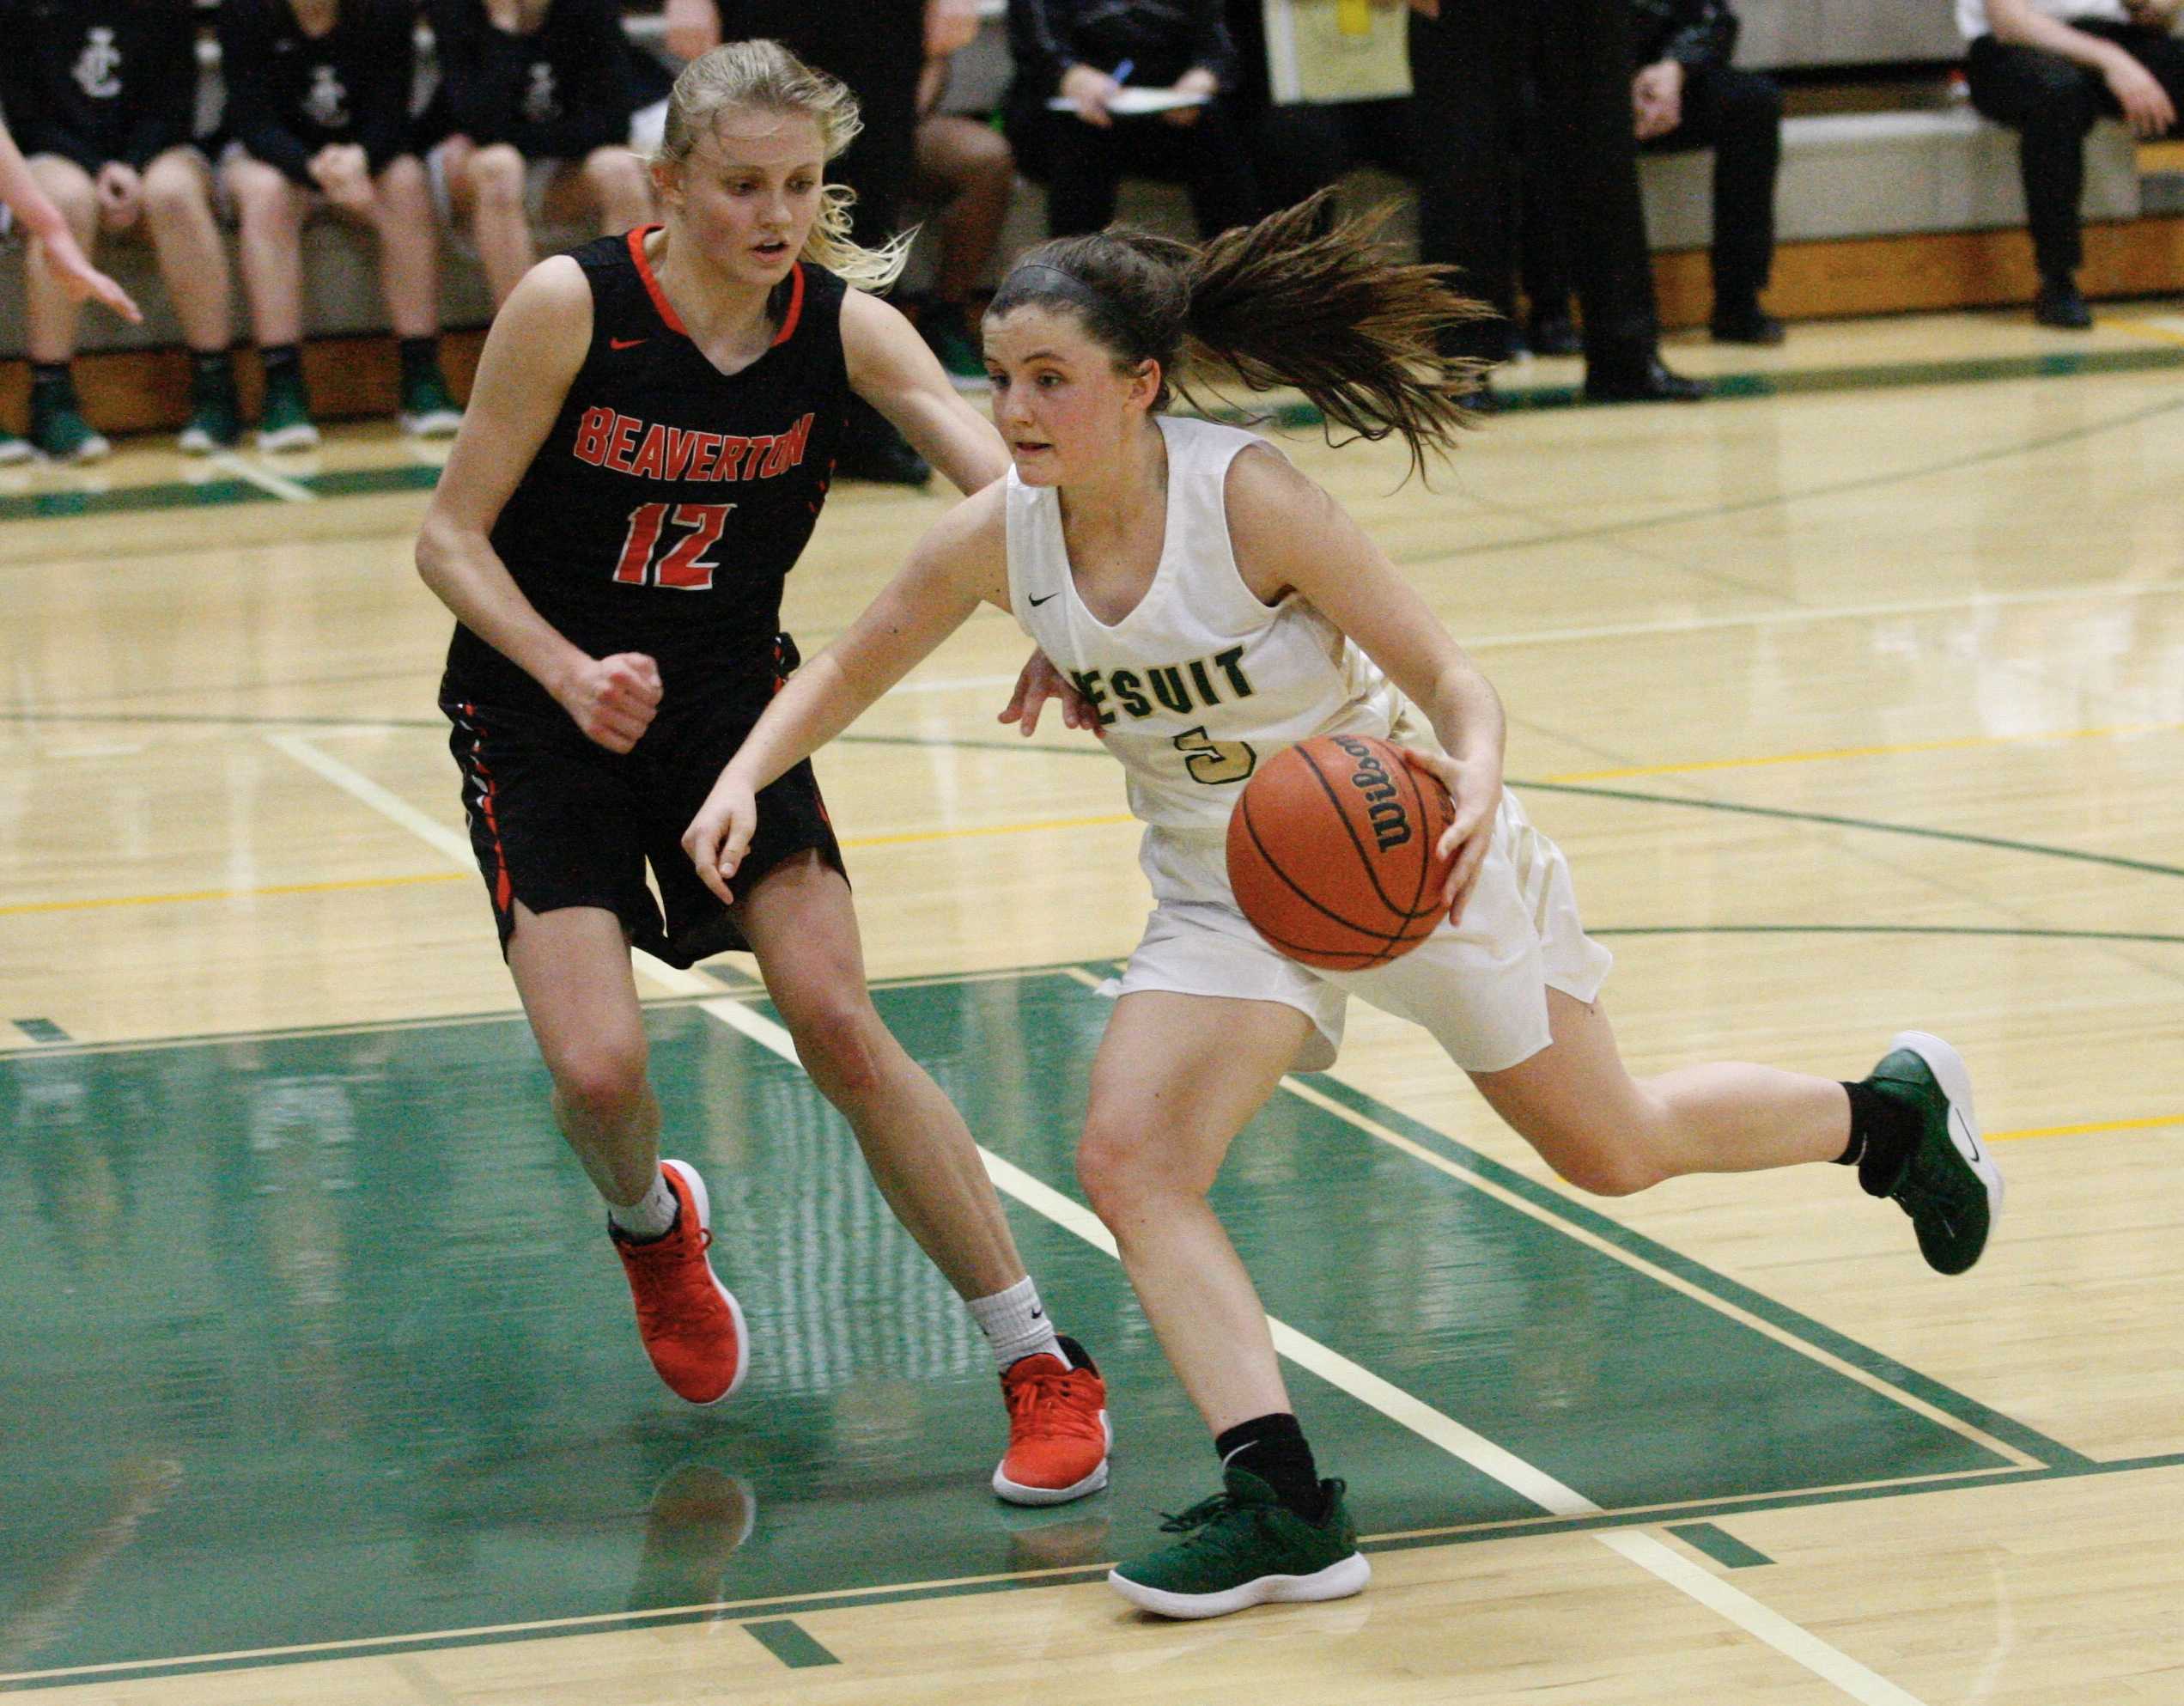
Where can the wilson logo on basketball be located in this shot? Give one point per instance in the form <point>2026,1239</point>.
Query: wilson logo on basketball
<point>1384,808</point>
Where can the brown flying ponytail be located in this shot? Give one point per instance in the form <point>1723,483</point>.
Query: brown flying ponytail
<point>1296,300</point>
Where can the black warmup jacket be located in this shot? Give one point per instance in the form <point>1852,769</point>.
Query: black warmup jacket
<point>95,81</point>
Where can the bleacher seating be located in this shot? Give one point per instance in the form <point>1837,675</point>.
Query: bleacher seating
<point>1848,175</point>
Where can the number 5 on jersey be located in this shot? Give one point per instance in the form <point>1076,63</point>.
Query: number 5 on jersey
<point>684,567</point>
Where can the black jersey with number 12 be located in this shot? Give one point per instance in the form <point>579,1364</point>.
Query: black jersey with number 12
<point>669,503</point>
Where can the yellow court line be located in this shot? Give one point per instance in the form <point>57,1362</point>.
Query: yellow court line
<point>911,836</point>
<point>204,894</point>
<point>1822,756</point>
<point>2141,328</point>
<point>201,895</point>
<point>2081,1131</point>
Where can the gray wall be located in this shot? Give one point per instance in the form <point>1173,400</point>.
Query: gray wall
<point>1784,33</point>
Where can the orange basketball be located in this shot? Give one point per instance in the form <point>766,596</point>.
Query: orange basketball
<point>1330,852</point>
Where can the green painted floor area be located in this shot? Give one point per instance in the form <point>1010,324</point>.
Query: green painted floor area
<point>319,1338</point>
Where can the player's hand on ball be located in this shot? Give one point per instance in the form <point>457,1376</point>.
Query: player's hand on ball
<point>614,699</point>
<point>1475,784</point>
<point>720,835</point>
<point>1039,681</point>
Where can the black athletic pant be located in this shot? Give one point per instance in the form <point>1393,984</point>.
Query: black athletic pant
<point>878,48</point>
<point>1467,71</point>
<point>2051,103</point>
<point>1085,164</point>
<point>1738,114</point>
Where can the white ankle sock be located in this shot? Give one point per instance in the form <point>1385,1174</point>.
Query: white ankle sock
<point>1016,1324</point>
<point>650,1216</point>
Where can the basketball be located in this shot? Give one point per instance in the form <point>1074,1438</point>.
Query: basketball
<point>1330,852</point>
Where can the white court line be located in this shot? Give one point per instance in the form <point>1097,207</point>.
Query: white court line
<point>264,478</point>
<point>1647,1552</point>
<point>1846,612</point>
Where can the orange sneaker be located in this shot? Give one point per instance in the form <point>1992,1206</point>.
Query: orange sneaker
<point>691,1323</point>
<point>1058,1431</point>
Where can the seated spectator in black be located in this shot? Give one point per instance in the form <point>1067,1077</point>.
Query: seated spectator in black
<point>2049,68</point>
<point>536,98</point>
<point>1072,50</point>
<point>101,96</point>
<point>1686,95</point>
<point>319,113</point>
<point>53,247</point>
<point>1299,148</point>
<point>966,169</point>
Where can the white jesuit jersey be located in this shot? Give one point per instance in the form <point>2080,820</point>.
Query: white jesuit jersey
<point>1201,683</point>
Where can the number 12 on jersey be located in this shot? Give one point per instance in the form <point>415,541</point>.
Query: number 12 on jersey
<point>684,566</point>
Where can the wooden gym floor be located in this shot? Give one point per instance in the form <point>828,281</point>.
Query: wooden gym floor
<point>1855,698</point>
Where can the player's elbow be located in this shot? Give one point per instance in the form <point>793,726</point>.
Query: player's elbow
<point>437,550</point>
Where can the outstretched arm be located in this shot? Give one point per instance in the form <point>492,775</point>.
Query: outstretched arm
<point>1292,538</point>
<point>961,561</point>
<point>57,244</point>
<point>892,368</point>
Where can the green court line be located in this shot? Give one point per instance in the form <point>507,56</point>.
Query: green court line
<point>1885,1368</point>
<point>1880,931</point>
<point>1974,370</point>
<point>39,506</point>
<point>1961,837</point>
<point>41,1030</point>
<point>1728,387</point>
<point>1717,1544</point>
<point>29,1681</point>
<point>1779,499</point>
<point>1523,786</point>
<point>790,1642</point>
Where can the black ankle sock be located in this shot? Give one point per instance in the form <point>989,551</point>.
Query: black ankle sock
<point>420,358</point>
<point>1884,1131</point>
<point>48,376</point>
<point>281,361</point>
<point>211,370</point>
<point>1274,1449</point>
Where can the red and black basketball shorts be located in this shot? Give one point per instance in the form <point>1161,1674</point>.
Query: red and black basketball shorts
<point>558,820</point>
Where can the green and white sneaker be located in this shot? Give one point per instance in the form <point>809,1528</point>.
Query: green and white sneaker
<point>285,423</point>
<point>61,434</point>
<point>428,409</point>
<point>1243,1547</point>
<point>13,449</point>
<point>215,420</point>
<point>1947,1184</point>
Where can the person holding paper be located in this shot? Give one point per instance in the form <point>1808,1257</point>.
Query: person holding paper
<point>1107,89</point>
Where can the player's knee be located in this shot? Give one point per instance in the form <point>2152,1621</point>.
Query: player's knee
<point>1119,1170</point>
<point>615,173</point>
<point>172,189</point>
<point>603,1077</point>
<point>496,177</point>
<point>1605,1170</point>
<point>73,194</point>
<point>840,1042</point>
